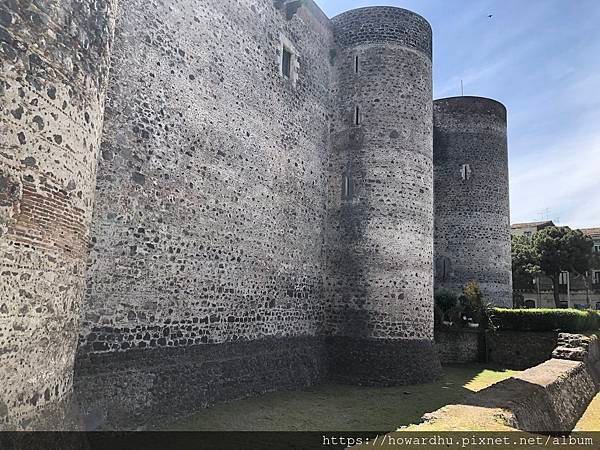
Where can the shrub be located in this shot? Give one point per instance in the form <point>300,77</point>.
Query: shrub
<point>438,316</point>
<point>472,301</point>
<point>566,320</point>
<point>447,302</point>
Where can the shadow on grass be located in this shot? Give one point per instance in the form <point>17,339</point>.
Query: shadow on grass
<point>343,408</point>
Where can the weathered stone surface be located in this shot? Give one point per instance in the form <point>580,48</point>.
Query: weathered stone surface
<point>472,214</point>
<point>119,390</point>
<point>520,349</point>
<point>382,362</point>
<point>240,205</point>
<point>209,209</point>
<point>54,58</point>
<point>459,347</point>
<point>212,207</point>
<point>379,236</point>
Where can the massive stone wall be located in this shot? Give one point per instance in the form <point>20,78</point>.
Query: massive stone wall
<point>472,217</point>
<point>54,58</point>
<point>256,225</point>
<point>379,240</point>
<point>210,193</point>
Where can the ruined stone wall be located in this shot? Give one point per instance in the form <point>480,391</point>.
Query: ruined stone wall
<point>210,194</point>
<point>54,58</point>
<point>379,242</point>
<point>472,216</point>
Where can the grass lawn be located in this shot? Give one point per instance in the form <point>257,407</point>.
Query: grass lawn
<point>343,408</point>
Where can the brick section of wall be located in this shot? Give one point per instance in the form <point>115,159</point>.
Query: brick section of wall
<point>54,60</point>
<point>472,215</point>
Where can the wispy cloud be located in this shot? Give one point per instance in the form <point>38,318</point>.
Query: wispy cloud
<point>565,179</point>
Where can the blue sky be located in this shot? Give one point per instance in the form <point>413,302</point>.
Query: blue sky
<point>541,58</point>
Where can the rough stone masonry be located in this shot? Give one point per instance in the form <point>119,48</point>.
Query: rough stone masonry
<point>243,203</point>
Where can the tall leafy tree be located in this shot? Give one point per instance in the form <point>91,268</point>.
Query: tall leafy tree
<point>525,262</point>
<point>561,249</point>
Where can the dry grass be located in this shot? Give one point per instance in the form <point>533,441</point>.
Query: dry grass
<point>343,408</point>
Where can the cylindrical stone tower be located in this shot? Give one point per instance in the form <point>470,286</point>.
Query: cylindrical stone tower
<point>54,64</point>
<point>380,208</point>
<point>472,217</point>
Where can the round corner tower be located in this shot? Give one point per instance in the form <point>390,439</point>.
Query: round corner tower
<point>472,217</point>
<point>54,68</point>
<point>380,205</point>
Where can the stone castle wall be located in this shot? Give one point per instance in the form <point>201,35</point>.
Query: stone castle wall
<point>54,60</point>
<point>210,197</point>
<point>251,231</point>
<point>379,240</point>
<point>472,215</point>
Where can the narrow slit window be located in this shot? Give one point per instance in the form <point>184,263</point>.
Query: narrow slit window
<point>286,63</point>
<point>346,187</point>
<point>465,172</point>
<point>356,64</point>
<point>357,116</point>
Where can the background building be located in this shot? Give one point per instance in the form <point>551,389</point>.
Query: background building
<point>529,228</point>
<point>576,291</point>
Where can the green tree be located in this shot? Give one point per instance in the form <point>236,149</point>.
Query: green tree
<point>561,249</point>
<point>525,262</point>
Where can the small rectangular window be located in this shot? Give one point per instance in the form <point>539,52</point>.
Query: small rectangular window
<point>596,279</point>
<point>563,278</point>
<point>286,63</point>
<point>356,64</point>
<point>357,116</point>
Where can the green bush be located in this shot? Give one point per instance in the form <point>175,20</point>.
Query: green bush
<point>447,302</point>
<point>566,320</point>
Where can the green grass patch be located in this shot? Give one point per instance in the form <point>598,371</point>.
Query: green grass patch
<point>343,408</point>
<point>566,320</point>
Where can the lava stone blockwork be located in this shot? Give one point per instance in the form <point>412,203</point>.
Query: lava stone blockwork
<point>210,198</point>
<point>145,387</point>
<point>54,63</point>
<point>379,235</point>
<point>472,217</point>
<point>262,183</point>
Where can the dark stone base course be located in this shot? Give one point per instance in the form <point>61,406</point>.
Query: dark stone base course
<point>143,388</point>
<point>135,388</point>
<point>382,362</point>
